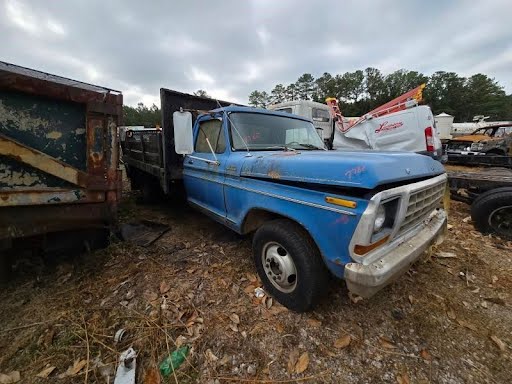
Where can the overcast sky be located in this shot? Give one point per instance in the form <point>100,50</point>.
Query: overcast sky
<point>230,48</point>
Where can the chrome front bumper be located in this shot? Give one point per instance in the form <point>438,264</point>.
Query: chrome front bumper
<point>366,280</point>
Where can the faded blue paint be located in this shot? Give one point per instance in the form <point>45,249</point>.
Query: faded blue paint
<point>243,182</point>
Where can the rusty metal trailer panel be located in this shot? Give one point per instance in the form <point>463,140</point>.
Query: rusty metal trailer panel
<point>59,154</point>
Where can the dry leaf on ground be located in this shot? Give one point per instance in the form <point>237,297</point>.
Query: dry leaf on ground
<point>150,295</point>
<point>252,277</point>
<point>152,376</point>
<point>467,325</point>
<point>233,327</point>
<point>235,318</point>
<point>302,363</point>
<point>164,287</point>
<point>292,360</point>
<point>403,379</point>
<point>210,356</point>
<point>74,369</point>
<point>354,298</point>
<point>249,289</point>
<point>386,342</point>
<point>495,300</point>
<point>343,342</point>
<point>445,255</point>
<point>11,377</point>
<point>314,322</point>
<point>425,355</point>
<point>46,372</point>
<point>411,299</point>
<point>501,345</point>
<point>451,314</point>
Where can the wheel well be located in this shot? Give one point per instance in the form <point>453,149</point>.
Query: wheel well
<point>256,217</point>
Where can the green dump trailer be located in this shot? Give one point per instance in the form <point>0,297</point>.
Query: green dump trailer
<point>60,181</point>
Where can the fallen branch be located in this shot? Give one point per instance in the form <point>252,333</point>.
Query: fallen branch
<point>88,351</point>
<point>26,326</point>
<point>270,381</point>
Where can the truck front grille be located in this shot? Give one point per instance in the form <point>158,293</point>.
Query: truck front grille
<point>421,203</point>
<point>457,146</point>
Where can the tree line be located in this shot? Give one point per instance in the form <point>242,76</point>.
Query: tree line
<point>361,91</point>
<point>148,116</point>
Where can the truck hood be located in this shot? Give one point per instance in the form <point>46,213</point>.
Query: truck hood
<point>473,138</point>
<point>363,169</point>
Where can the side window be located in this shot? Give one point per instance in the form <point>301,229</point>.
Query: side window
<point>211,129</point>
<point>321,115</point>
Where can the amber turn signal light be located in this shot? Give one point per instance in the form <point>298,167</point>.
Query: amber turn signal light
<point>364,249</point>
<point>342,202</point>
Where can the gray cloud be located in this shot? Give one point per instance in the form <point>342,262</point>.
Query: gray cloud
<point>230,48</point>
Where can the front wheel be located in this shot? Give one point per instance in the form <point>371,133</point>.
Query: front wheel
<point>289,264</point>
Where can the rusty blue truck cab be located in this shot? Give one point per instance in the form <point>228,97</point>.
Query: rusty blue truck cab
<point>361,216</point>
<point>58,158</point>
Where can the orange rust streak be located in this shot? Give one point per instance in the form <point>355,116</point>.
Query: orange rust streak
<point>41,161</point>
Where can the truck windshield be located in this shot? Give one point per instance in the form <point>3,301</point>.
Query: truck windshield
<point>271,132</point>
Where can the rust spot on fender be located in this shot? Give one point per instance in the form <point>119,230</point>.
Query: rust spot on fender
<point>343,219</point>
<point>274,174</point>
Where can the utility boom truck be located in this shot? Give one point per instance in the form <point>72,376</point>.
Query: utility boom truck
<point>361,216</point>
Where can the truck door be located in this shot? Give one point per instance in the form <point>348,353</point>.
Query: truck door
<point>204,170</point>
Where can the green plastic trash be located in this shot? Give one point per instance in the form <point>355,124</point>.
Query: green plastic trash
<point>173,361</point>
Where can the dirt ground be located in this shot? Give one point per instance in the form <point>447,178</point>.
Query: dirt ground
<point>449,320</point>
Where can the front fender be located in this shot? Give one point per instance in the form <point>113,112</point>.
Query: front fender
<point>330,226</point>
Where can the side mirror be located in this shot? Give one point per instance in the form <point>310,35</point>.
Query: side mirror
<point>183,135</point>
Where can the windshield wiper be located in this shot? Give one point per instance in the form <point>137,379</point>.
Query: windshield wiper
<point>280,147</point>
<point>311,146</point>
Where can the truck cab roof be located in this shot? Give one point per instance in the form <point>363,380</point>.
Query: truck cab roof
<point>235,108</point>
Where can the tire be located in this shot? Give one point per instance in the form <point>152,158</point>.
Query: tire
<point>151,191</point>
<point>5,267</point>
<point>492,212</point>
<point>284,250</point>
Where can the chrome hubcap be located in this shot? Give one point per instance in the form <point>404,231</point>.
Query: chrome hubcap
<point>279,267</point>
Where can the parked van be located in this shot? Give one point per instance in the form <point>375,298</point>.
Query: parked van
<point>412,129</point>
<point>316,112</point>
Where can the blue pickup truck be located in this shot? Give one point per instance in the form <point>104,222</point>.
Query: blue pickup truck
<point>364,217</point>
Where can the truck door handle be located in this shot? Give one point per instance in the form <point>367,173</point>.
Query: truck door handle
<point>191,161</point>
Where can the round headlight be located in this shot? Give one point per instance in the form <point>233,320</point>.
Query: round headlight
<point>380,218</point>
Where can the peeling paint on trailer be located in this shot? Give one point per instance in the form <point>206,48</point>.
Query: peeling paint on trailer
<point>58,154</point>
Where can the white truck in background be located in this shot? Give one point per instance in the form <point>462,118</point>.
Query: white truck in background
<point>411,129</point>
<point>316,112</point>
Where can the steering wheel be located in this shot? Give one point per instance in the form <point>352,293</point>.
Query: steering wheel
<point>292,142</point>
